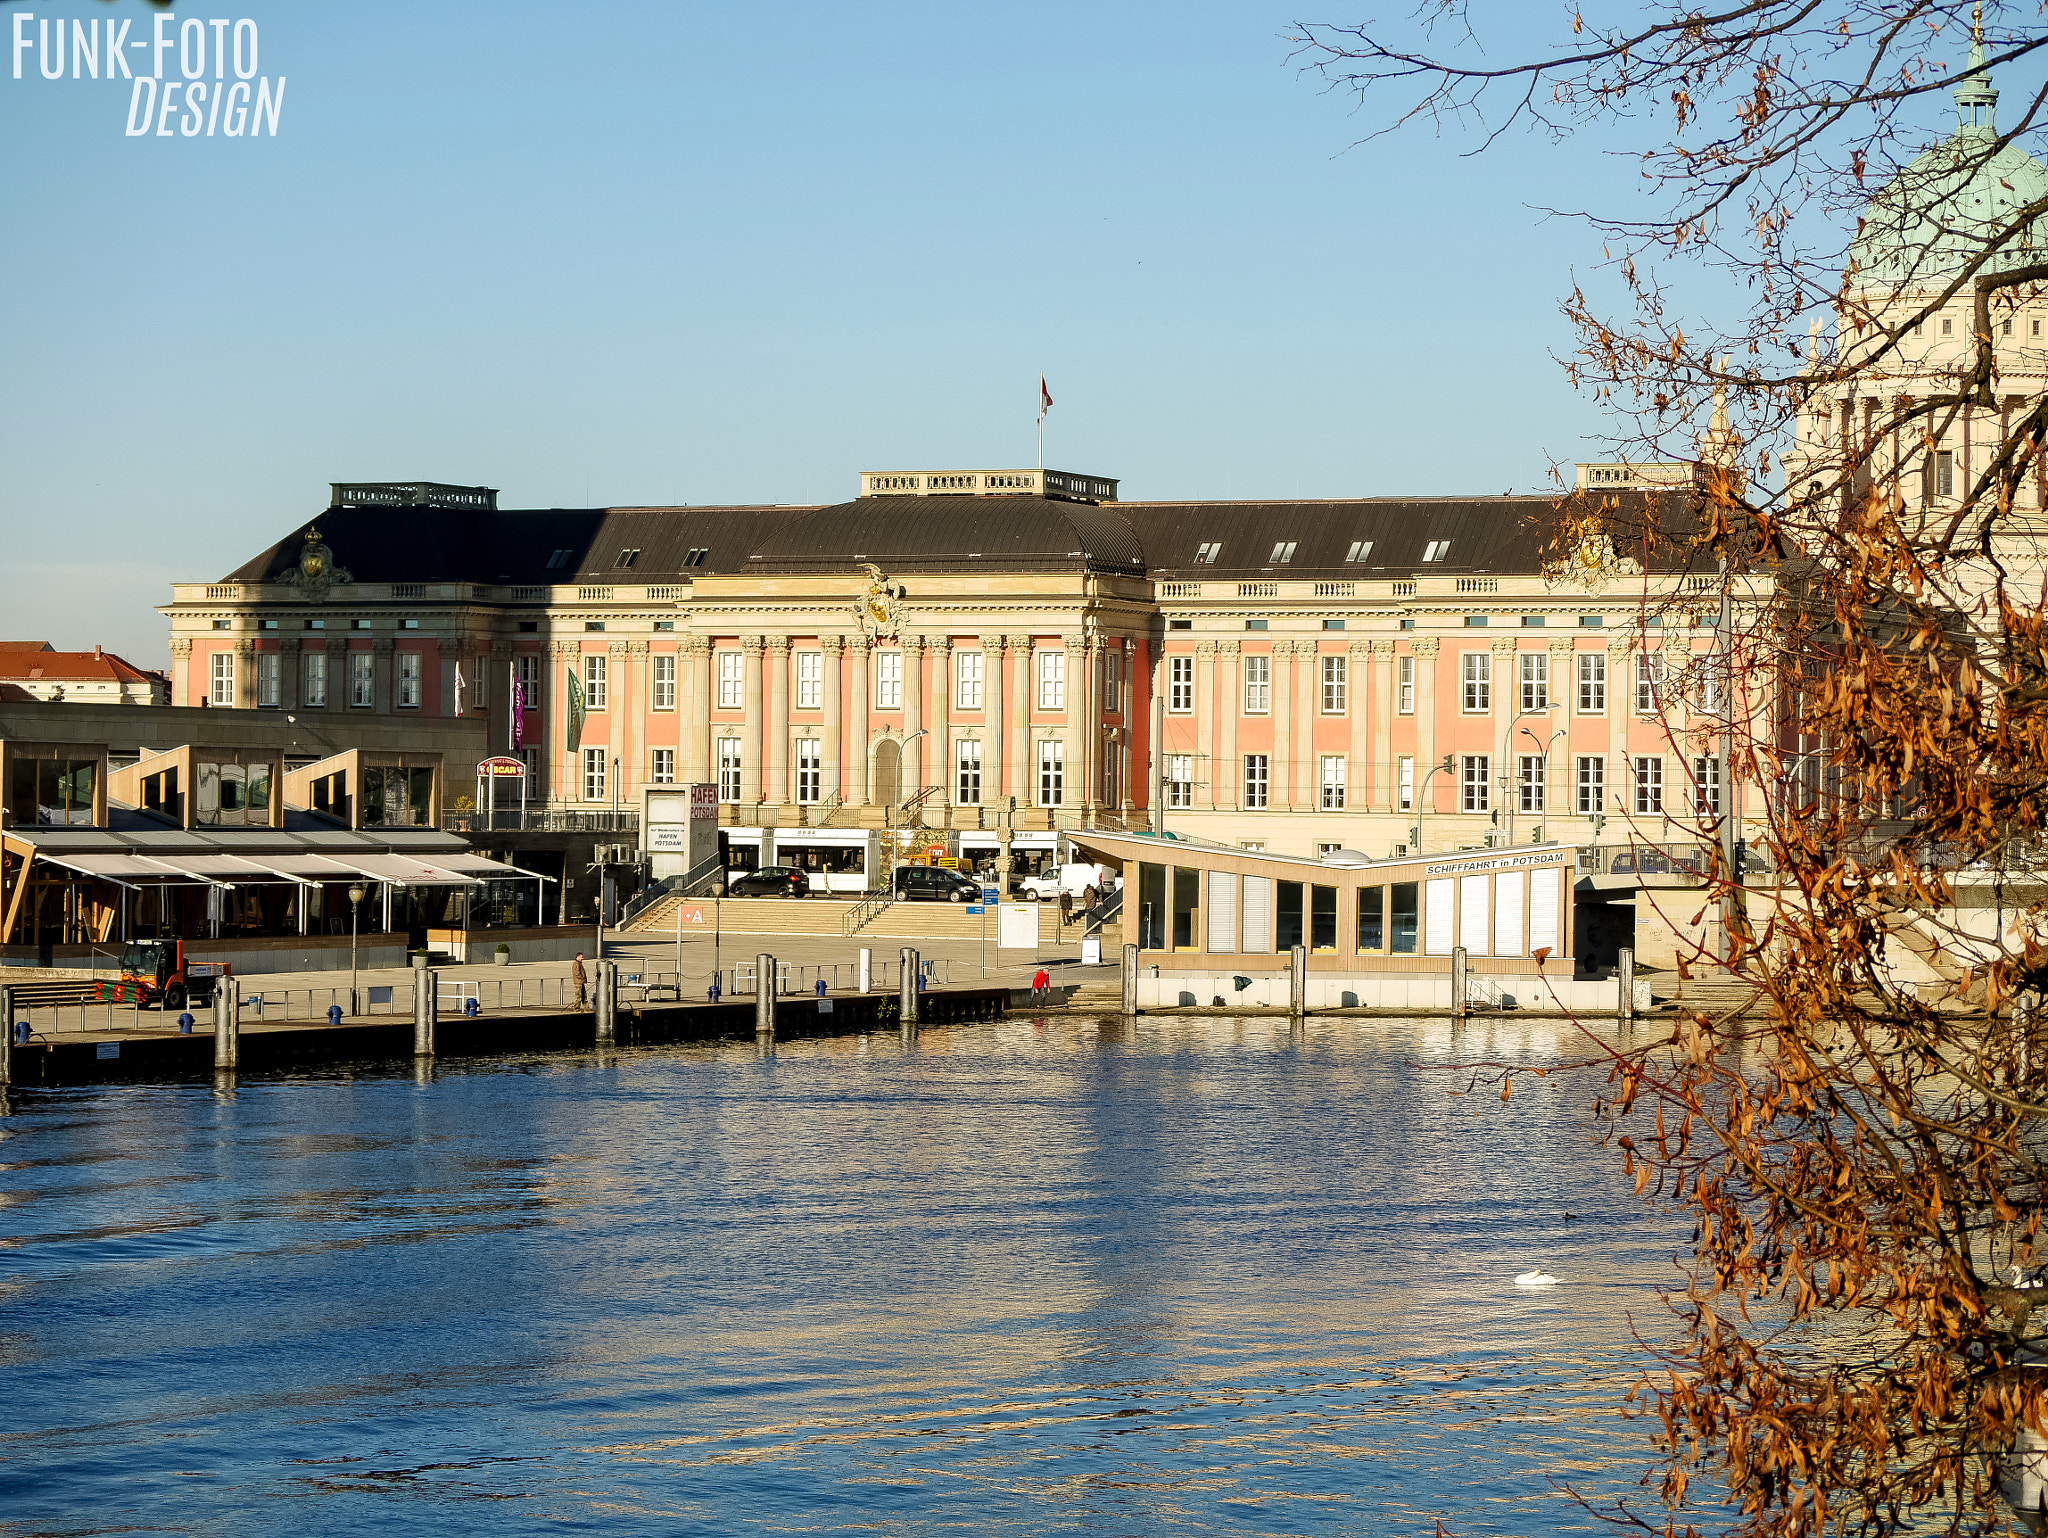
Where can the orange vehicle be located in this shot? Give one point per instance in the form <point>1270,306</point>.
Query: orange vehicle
<point>162,976</point>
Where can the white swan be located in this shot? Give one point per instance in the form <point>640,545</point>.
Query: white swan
<point>1535,1279</point>
<point>2020,1282</point>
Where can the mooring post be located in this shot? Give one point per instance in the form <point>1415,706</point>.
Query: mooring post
<point>423,983</point>
<point>1297,981</point>
<point>867,969</point>
<point>1130,971</point>
<point>227,1034</point>
<point>764,996</point>
<point>607,1012</point>
<point>1625,974</point>
<point>1461,1005</point>
<point>6,1036</point>
<point>906,993</point>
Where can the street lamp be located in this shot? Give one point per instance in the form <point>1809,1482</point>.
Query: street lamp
<point>356,894</point>
<point>1544,743</point>
<point>1422,797</point>
<point>889,813</point>
<point>1506,760</point>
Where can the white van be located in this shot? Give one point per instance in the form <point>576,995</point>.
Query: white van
<point>1072,879</point>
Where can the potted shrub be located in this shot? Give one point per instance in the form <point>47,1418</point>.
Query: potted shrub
<point>503,954</point>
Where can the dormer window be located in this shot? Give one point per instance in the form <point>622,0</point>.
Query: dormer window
<point>1206,555</point>
<point>558,560</point>
<point>1360,549</point>
<point>1436,550</point>
<point>627,557</point>
<point>1283,552</point>
<point>697,555</point>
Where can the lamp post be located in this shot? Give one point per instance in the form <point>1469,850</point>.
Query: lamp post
<point>1544,743</point>
<point>1506,744</point>
<point>1422,797</point>
<point>355,908</point>
<point>890,812</point>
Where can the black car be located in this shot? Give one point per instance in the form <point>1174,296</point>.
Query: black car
<point>933,884</point>
<point>770,881</point>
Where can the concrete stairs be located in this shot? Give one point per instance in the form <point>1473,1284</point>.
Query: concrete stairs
<point>825,916</point>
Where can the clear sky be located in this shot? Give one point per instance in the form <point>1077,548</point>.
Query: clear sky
<point>669,252</point>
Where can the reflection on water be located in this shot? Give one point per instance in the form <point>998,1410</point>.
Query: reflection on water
<point>1016,1278</point>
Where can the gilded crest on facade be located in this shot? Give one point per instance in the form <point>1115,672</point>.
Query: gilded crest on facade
<point>1585,557</point>
<point>316,571</point>
<point>880,609</point>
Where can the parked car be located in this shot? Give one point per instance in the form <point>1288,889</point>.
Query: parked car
<point>934,884</point>
<point>770,881</point>
<point>1074,879</point>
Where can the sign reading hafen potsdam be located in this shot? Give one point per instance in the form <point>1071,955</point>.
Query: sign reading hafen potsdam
<point>199,100</point>
<point>1498,862</point>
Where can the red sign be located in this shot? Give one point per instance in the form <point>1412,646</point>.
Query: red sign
<point>936,851</point>
<point>703,803</point>
<point>502,768</point>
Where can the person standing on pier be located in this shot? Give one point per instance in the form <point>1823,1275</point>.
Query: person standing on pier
<point>1041,985</point>
<point>582,983</point>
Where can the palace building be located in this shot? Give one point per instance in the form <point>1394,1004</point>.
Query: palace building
<point>992,656</point>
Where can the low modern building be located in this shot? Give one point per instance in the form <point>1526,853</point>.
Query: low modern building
<point>981,660</point>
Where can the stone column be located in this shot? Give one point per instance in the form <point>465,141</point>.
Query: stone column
<point>1507,702</point>
<point>1308,683</point>
<point>1023,761</point>
<point>942,699</point>
<point>1280,781</point>
<point>500,695</point>
<point>181,670</point>
<point>380,676</point>
<point>561,661</point>
<point>337,674</point>
<point>695,685</point>
<point>860,649</point>
<point>1228,780</point>
<point>774,686</point>
<point>1425,723</point>
<point>245,674</point>
<point>1564,687</point>
<point>447,658</point>
<point>910,775</point>
<point>1383,776</point>
<point>832,685</point>
<point>1129,704</point>
<point>993,759</point>
<point>288,673</point>
<point>1206,712</point>
<point>751,785</point>
<point>629,718</point>
<point>1079,727</point>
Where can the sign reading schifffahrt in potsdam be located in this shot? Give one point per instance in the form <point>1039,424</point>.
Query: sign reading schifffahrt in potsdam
<point>191,77</point>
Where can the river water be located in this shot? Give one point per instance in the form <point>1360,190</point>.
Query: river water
<point>1060,1277</point>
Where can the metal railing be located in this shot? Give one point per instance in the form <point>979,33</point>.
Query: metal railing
<point>543,819</point>
<point>866,911</point>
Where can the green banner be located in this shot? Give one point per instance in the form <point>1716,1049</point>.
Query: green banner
<point>575,712</point>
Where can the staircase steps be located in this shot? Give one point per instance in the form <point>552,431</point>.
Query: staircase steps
<point>826,916</point>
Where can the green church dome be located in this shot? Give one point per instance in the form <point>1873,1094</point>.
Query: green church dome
<point>1938,213</point>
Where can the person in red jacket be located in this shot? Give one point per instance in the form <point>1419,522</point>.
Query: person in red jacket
<point>1041,985</point>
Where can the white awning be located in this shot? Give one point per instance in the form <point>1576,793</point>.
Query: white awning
<point>485,870</point>
<point>106,865</point>
<point>405,870</point>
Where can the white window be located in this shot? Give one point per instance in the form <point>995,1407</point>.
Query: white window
<point>889,680</point>
<point>1052,685</point>
<point>1360,549</point>
<point>362,687</point>
<point>1336,685</point>
<point>1478,676</point>
<point>1110,759</point>
<point>479,683</point>
<point>534,784</point>
<point>1405,702</point>
<point>1180,685</point>
<point>728,768</point>
<point>810,680</point>
<point>1405,779</point>
<point>967,671</point>
<point>1052,771</point>
<point>1535,681</point>
<point>810,773</point>
<point>1258,773</point>
<point>1180,780</point>
<point>596,678</point>
<point>662,771</point>
<point>1112,682</point>
<point>266,680</point>
<point>1649,683</point>
<point>1475,784</point>
<point>967,767</point>
<point>732,678</point>
<point>664,682</point>
<point>1258,685</point>
<point>1283,552</point>
<point>315,692</point>
<point>1592,683</point>
<point>1592,786</point>
<point>593,774</point>
<point>408,681</point>
<point>527,670</point>
<point>223,691</point>
<point>1333,782</point>
<point>1650,784</point>
<point>1712,695</point>
<point>1706,780</point>
<point>1206,553</point>
<point>1529,777</point>
<point>1437,550</point>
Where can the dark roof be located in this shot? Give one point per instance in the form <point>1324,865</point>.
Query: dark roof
<point>1485,534</point>
<point>948,533</point>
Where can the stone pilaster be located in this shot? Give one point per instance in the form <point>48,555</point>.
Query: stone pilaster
<point>942,699</point>
<point>1425,723</point>
<point>752,787</point>
<point>831,686</point>
<point>860,653</point>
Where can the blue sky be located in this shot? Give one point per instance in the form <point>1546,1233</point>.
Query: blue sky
<point>629,253</point>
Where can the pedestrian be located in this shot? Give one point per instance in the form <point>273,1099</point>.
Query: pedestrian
<point>582,983</point>
<point>1041,986</point>
<point>1066,907</point>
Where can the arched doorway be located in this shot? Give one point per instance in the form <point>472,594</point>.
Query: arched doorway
<point>886,785</point>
